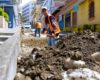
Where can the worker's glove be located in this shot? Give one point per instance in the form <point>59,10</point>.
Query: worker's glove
<point>48,35</point>
<point>44,30</point>
<point>52,32</point>
<point>51,35</point>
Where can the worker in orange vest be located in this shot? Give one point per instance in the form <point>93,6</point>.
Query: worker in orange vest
<point>52,27</point>
<point>38,28</point>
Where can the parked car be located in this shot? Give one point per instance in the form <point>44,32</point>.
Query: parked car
<point>26,25</point>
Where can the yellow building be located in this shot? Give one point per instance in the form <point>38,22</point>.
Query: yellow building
<point>80,12</point>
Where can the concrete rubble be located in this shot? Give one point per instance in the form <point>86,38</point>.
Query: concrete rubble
<point>71,60</point>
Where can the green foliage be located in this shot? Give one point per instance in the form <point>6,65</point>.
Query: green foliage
<point>80,29</point>
<point>90,27</point>
<point>93,27</point>
<point>1,11</point>
<point>74,29</point>
<point>86,27</point>
<point>6,16</point>
<point>66,29</point>
<point>98,28</point>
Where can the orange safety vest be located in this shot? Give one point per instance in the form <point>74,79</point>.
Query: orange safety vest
<point>38,25</point>
<point>54,28</point>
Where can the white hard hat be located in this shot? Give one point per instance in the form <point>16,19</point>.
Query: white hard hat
<point>44,7</point>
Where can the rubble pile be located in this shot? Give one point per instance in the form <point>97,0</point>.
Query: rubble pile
<point>72,52</point>
<point>84,44</point>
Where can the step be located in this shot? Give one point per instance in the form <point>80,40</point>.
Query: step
<point>1,42</point>
<point>5,36</point>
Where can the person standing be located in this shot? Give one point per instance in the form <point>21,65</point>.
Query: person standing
<point>51,26</point>
<point>38,28</point>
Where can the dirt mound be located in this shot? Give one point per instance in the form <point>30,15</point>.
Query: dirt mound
<point>33,42</point>
<point>48,63</point>
<point>85,43</point>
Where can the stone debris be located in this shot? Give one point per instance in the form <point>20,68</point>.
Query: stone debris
<point>75,51</point>
<point>96,56</point>
<point>81,74</point>
<point>72,64</point>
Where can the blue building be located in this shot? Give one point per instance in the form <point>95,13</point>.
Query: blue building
<point>8,7</point>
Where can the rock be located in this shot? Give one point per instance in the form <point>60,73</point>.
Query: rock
<point>81,74</point>
<point>96,56</point>
<point>28,78</point>
<point>22,70</point>
<point>68,64</point>
<point>97,68</point>
<point>77,78</point>
<point>75,55</point>
<point>19,76</point>
<point>44,76</point>
<point>33,56</point>
<point>72,64</point>
<point>98,36</point>
<point>50,68</point>
<point>55,78</point>
<point>37,78</point>
<point>19,58</point>
<point>79,64</point>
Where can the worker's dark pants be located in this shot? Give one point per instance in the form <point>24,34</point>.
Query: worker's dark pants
<point>37,31</point>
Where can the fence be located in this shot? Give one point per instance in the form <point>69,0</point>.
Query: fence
<point>9,50</point>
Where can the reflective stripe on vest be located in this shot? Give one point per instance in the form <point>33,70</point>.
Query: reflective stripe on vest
<point>54,28</point>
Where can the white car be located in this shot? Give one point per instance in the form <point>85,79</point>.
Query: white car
<point>27,26</point>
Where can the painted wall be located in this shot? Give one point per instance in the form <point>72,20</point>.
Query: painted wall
<point>83,13</point>
<point>3,22</point>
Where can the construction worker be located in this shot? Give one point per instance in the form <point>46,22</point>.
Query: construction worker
<point>37,28</point>
<point>51,26</point>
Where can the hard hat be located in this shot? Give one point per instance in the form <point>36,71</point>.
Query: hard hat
<point>44,7</point>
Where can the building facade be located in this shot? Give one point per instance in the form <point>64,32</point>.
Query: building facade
<point>27,12</point>
<point>50,4</point>
<point>9,8</point>
<point>80,12</point>
<point>36,13</point>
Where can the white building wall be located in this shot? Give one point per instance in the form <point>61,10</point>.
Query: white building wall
<point>26,12</point>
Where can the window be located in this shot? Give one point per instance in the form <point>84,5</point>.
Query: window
<point>91,10</point>
<point>74,19</point>
<point>68,20</point>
